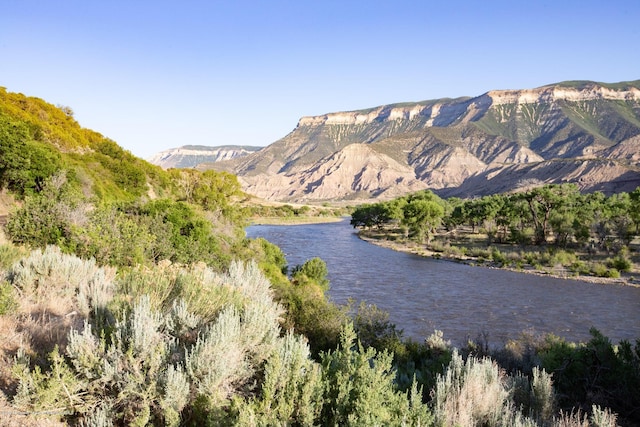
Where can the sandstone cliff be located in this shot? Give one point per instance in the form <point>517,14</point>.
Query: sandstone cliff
<point>582,132</point>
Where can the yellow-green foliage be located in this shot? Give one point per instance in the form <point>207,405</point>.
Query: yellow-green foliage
<point>37,139</point>
<point>51,124</point>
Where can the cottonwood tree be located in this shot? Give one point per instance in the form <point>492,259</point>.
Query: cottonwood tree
<point>543,201</point>
<point>422,217</point>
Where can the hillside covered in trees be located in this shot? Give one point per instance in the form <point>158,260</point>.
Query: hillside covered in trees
<point>129,295</point>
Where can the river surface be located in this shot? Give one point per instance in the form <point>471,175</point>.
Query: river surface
<point>423,294</point>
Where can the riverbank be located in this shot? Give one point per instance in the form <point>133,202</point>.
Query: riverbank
<point>422,250</point>
<point>295,220</point>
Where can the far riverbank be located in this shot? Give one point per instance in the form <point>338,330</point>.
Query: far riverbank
<point>421,250</point>
<point>295,220</point>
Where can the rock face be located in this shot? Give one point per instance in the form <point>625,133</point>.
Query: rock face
<point>192,155</point>
<point>582,132</point>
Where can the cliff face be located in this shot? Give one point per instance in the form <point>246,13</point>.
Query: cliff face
<point>192,155</point>
<point>582,132</point>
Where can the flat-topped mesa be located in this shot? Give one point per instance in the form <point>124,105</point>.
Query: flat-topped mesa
<point>361,117</point>
<point>424,110</point>
<point>555,93</point>
<point>436,110</point>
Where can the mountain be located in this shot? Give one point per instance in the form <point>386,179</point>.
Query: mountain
<point>578,131</point>
<point>190,156</point>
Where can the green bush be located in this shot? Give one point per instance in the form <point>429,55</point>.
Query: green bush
<point>498,257</point>
<point>620,263</point>
<point>359,388</point>
<point>312,271</point>
<point>190,234</point>
<point>9,254</point>
<point>47,217</point>
<point>373,328</point>
<point>8,303</point>
<point>595,373</point>
<point>25,164</point>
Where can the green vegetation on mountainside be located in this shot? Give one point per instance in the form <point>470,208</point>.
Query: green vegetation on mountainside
<point>38,139</point>
<point>583,84</point>
<point>541,126</point>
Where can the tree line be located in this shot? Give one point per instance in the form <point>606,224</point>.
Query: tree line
<point>557,214</point>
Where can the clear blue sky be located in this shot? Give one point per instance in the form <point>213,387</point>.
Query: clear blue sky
<point>154,75</point>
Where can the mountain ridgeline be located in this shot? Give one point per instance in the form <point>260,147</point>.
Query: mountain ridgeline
<point>192,155</point>
<point>504,140</point>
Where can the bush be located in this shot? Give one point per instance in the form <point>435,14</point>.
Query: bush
<point>595,373</point>
<point>50,275</point>
<point>9,254</point>
<point>360,390</point>
<point>620,263</point>
<point>47,217</point>
<point>477,392</point>
<point>374,329</point>
<point>498,256</point>
<point>8,302</point>
<point>600,270</point>
<point>312,271</point>
<point>153,362</point>
<point>190,235</point>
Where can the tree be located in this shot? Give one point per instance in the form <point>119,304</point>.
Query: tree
<point>422,217</point>
<point>367,216</point>
<point>543,201</point>
<point>25,164</point>
<point>635,208</point>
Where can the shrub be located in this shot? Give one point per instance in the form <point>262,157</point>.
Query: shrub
<point>51,275</point>
<point>373,328</point>
<point>116,238</point>
<point>160,357</point>
<point>291,392</point>
<point>25,164</point>
<point>560,257</point>
<point>595,373</point>
<point>620,263</point>
<point>9,254</point>
<point>359,388</point>
<point>188,232</point>
<point>601,270</point>
<point>498,256</point>
<point>46,218</point>
<point>8,303</point>
<point>312,271</point>
<point>477,392</point>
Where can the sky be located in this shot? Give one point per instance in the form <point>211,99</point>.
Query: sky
<point>155,75</point>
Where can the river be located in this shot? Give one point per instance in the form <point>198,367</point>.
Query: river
<point>424,294</point>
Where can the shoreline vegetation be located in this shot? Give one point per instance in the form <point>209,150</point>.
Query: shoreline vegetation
<point>552,229</point>
<point>295,220</point>
<point>385,240</point>
<point>423,250</point>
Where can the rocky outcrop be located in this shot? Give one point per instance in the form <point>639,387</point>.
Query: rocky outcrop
<point>190,156</point>
<point>582,132</point>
